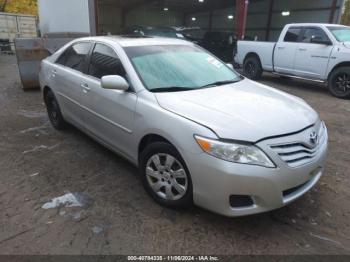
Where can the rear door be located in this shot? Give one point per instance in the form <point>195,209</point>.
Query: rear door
<point>285,50</point>
<point>109,113</point>
<point>66,75</point>
<point>311,60</point>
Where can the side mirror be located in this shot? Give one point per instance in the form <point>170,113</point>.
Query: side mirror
<point>319,40</point>
<point>230,65</point>
<point>114,82</point>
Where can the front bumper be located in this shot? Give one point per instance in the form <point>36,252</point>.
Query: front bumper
<point>215,180</point>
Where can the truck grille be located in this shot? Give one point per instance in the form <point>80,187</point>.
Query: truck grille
<point>299,153</point>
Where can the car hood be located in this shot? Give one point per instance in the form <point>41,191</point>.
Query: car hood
<point>245,110</point>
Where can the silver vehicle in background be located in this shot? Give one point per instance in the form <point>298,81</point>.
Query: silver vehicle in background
<point>198,131</point>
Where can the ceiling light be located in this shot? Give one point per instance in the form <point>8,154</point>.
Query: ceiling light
<point>201,1</point>
<point>285,13</point>
<point>230,17</point>
<point>194,19</point>
<point>166,9</point>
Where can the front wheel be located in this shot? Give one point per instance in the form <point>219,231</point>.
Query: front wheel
<point>252,68</point>
<point>339,82</point>
<point>165,175</point>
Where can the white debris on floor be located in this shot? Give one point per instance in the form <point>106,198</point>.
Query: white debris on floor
<point>36,148</point>
<point>325,239</point>
<point>97,230</point>
<point>37,128</point>
<point>32,114</point>
<point>67,200</point>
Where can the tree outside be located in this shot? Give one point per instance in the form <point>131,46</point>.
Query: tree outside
<point>19,6</point>
<point>345,19</point>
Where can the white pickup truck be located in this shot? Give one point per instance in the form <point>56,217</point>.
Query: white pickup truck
<point>316,52</point>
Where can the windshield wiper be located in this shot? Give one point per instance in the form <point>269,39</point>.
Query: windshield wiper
<point>171,89</point>
<point>221,83</point>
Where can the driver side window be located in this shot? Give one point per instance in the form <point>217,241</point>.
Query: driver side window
<point>104,61</point>
<point>314,32</point>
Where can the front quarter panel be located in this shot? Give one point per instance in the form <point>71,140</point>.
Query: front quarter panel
<point>340,54</point>
<point>150,119</point>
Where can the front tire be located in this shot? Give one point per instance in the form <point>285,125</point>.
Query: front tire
<point>339,82</point>
<point>165,175</point>
<point>54,111</point>
<point>252,68</point>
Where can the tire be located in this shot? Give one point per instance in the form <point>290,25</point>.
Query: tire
<point>159,179</point>
<point>252,68</point>
<point>54,111</point>
<point>339,82</point>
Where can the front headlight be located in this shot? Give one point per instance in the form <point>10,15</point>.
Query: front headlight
<point>238,153</point>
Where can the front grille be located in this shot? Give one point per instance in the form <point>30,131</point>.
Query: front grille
<point>299,153</point>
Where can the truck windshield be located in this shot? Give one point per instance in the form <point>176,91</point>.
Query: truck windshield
<point>341,33</point>
<point>170,68</point>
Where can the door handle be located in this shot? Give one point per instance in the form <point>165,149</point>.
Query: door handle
<point>280,47</point>
<point>85,87</point>
<point>302,49</point>
<point>54,73</point>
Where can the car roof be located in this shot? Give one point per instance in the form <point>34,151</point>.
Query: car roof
<point>126,41</point>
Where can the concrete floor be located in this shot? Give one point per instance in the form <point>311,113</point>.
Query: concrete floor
<point>38,163</point>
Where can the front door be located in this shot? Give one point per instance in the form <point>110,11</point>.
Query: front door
<point>311,60</point>
<point>109,114</point>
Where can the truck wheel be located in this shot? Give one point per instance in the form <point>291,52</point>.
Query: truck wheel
<point>339,82</point>
<point>252,68</point>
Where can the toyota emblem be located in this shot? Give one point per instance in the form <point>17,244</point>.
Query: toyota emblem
<point>313,137</point>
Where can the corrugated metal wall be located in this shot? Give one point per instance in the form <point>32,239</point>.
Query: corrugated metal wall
<point>300,11</point>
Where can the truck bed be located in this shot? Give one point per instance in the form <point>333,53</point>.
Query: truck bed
<point>263,49</point>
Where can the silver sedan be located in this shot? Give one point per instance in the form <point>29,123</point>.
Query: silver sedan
<point>198,131</point>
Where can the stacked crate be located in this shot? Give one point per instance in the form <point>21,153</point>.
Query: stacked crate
<point>15,26</point>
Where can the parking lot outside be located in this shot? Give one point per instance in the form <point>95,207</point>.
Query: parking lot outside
<point>116,216</point>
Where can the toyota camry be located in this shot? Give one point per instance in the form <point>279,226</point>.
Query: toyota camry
<point>199,132</point>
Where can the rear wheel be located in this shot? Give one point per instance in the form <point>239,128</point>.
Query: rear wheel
<point>252,68</point>
<point>165,175</point>
<point>54,111</point>
<point>339,82</point>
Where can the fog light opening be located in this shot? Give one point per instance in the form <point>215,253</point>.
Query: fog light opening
<point>241,201</point>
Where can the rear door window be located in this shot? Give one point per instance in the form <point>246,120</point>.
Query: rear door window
<point>104,61</point>
<point>75,56</point>
<point>292,34</point>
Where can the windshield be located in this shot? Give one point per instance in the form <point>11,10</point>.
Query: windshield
<point>178,67</point>
<point>341,33</point>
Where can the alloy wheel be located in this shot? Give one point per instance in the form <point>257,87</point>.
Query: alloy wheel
<point>250,68</point>
<point>342,83</point>
<point>166,176</point>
